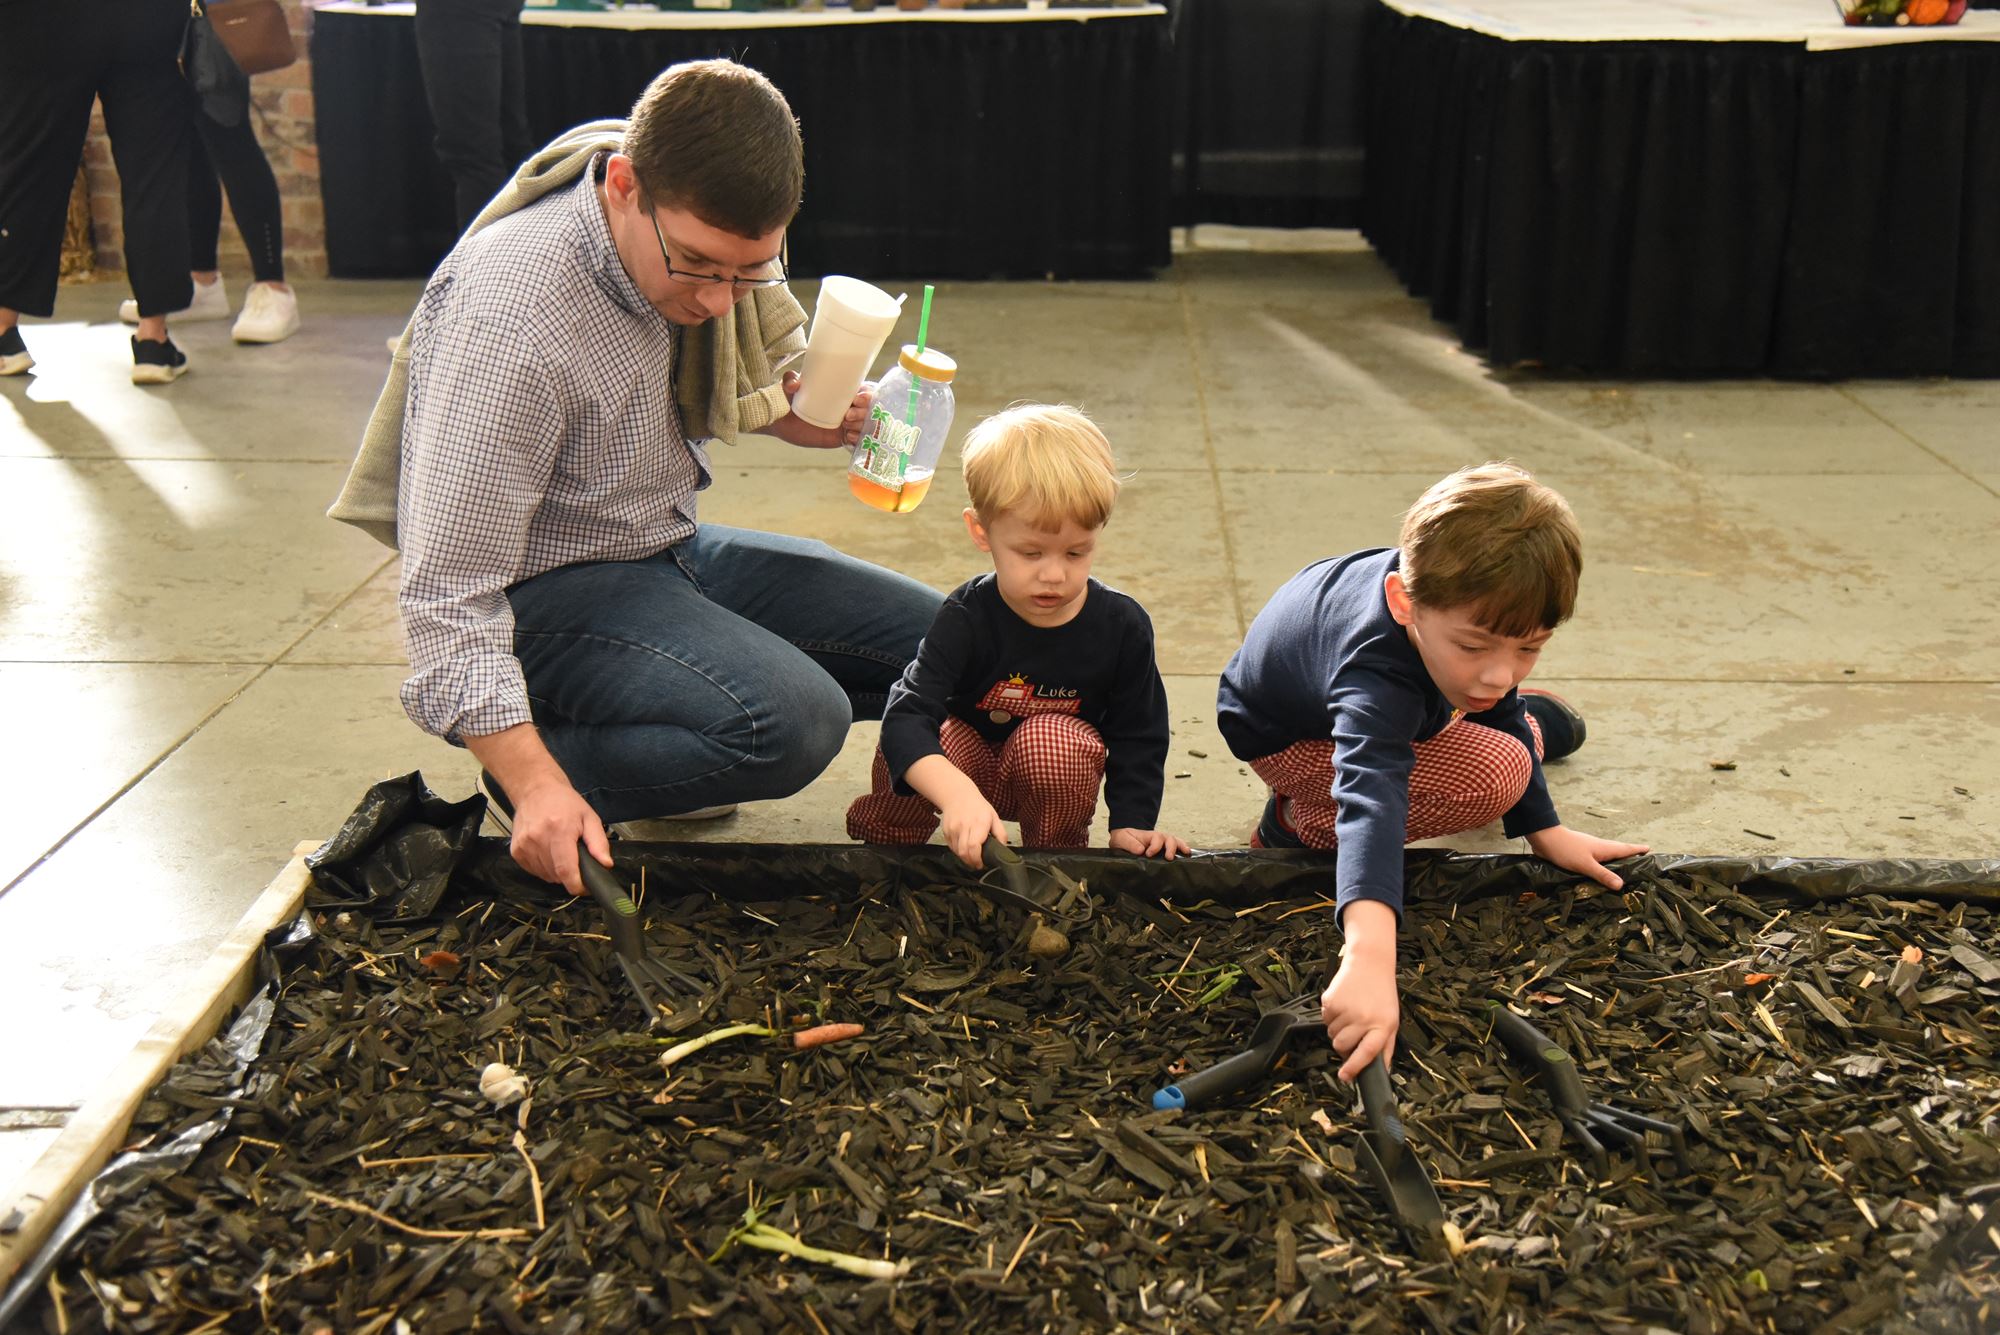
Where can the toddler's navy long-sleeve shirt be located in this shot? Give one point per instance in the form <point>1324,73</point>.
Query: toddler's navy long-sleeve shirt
<point>983,664</point>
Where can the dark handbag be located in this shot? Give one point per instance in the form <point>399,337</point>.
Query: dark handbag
<point>218,81</point>
<point>255,32</point>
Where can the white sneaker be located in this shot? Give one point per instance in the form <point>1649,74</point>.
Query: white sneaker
<point>210,303</point>
<point>14,355</point>
<point>705,813</point>
<point>664,828</point>
<point>270,315</point>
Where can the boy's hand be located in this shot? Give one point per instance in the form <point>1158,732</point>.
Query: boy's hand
<point>1359,1006</point>
<point>964,814</point>
<point>1361,1012</point>
<point>1149,843</point>
<point>966,825</point>
<point>1584,854</point>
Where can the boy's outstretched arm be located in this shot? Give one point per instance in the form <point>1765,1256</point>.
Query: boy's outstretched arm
<point>1359,1006</point>
<point>1584,854</point>
<point>964,814</point>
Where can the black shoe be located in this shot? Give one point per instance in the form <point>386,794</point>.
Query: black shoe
<point>1562,726</point>
<point>1273,831</point>
<point>14,355</point>
<point>156,363</point>
<point>497,805</point>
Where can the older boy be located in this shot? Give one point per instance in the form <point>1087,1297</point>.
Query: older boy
<point>1378,695</point>
<point>1034,682</point>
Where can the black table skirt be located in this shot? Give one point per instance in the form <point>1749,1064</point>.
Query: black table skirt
<point>933,150</point>
<point>1267,117</point>
<point>1691,207</point>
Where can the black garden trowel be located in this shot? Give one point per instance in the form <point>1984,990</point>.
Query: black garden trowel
<point>1061,901</point>
<point>1384,1153</point>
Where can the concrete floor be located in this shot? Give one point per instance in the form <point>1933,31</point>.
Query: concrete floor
<point>198,670</point>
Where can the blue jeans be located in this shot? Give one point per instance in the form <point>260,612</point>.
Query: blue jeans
<point>724,669</point>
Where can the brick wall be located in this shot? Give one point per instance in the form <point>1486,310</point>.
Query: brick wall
<point>283,115</point>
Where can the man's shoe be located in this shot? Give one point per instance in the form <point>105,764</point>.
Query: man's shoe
<point>705,813</point>
<point>656,828</point>
<point>156,363</point>
<point>270,315</point>
<point>1274,828</point>
<point>14,355</point>
<point>1562,726</point>
<point>210,302</point>
<point>501,809</point>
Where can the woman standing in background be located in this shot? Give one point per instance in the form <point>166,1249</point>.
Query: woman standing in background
<point>55,59</point>
<point>226,144</point>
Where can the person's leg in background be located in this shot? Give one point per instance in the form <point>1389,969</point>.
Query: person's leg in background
<point>515,145</point>
<point>149,116</point>
<point>270,310</point>
<point>204,214</point>
<point>48,73</point>
<point>461,48</point>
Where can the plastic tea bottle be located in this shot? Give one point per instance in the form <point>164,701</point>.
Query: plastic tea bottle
<point>892,465</point>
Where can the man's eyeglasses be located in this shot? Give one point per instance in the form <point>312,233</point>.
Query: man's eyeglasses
<point>711,279</point>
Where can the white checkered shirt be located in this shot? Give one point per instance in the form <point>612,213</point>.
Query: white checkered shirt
<point>541,431</point>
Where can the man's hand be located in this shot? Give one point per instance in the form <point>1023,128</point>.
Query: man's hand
<point>1359,1006</point>
<point>1149,843</point>
<point>549,814</point>
<point>796,431</point>
<point>1584,854</point>
<point>548,821</point>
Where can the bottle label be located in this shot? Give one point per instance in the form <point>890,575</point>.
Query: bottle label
<point>886,449</point>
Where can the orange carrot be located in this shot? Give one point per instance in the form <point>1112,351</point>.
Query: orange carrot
<point>819,1035</point>
<point>442,963</point>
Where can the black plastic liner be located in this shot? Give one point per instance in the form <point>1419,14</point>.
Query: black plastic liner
<point>243,1043</point>
<point>396,853</point>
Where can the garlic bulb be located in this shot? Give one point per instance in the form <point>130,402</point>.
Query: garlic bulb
<point>502,1084</point>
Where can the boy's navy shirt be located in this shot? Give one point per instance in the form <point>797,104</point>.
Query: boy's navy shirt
<point>982,664</point>
<point>1325,658</point>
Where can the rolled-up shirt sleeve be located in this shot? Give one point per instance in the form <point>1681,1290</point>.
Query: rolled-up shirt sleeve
<point>480,438</point>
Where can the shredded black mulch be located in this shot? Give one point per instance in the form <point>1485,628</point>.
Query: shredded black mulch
<point>993,1128</point>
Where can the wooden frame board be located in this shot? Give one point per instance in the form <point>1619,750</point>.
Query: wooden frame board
<point>98,1128</point>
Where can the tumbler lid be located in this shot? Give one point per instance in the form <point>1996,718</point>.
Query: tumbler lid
<point>930,364</point>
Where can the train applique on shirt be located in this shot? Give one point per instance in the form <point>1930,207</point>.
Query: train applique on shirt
<point>1017,697</point>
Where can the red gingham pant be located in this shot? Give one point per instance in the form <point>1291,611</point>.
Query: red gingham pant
<point>1465,777</point>
<point>1045,775</point>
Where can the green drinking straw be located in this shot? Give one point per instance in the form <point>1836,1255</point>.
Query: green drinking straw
<point>923,328</point>
<point>910,413</point>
